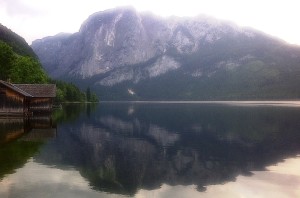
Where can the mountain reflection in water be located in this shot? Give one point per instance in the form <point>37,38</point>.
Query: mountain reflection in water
<point>130,148</point>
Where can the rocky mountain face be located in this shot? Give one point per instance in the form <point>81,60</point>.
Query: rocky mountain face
<point>126,55</point>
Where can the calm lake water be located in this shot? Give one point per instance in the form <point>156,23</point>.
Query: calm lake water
<point>153,150</point>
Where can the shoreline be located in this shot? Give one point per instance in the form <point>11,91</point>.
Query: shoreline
<point>291,103</point>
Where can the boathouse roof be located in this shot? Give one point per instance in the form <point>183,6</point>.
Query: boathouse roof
<point>33,90</point>
<point>38,90</point>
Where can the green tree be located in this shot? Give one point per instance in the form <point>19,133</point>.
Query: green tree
<point>94,98</point>
<point>7,58</point>
<point>88,94</point>
<point>73,94</point>
<point>68,92</point>
<point>60,97</point>
<point>27,70</point>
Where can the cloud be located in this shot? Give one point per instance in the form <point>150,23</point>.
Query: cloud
<point>34,19</point>
<point>36,180</point>
<point>18,8</point>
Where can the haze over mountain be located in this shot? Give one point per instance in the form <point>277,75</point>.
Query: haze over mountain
<point>126,55</point>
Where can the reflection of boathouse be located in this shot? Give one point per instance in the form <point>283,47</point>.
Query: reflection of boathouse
<point>32,129</point>
<point>25,99</point>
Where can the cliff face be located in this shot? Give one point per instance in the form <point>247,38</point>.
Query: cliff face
<point>127,53</point>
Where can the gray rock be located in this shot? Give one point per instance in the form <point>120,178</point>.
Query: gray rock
<point>120,49</point>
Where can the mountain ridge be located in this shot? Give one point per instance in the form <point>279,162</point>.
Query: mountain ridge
<point>18,43</point>
<point>119,50</point>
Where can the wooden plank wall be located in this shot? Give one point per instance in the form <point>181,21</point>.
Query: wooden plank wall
<point>40,104</point>
<point>11,101</point>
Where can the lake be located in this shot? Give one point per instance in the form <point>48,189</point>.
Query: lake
<point>158,149</point>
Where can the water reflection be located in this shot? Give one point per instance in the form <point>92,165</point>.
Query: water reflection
<point>121,148</point>
<point>132,149</point>
<point>30,133</point>
<point>34,128</point>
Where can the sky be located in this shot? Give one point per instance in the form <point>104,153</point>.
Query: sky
<point>35,19</point>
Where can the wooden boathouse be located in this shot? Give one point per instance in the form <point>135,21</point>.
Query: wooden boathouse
<point>26,99</point>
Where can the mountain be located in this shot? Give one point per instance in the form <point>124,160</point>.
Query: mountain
<point>126,55</point>
<point>18,43</point>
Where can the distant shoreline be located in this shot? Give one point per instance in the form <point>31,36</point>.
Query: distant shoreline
<point>294,103</point>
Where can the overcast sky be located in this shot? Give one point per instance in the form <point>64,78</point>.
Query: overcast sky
<point>35,19</point>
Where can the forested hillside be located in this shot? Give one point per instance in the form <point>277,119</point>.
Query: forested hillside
<point>19,64</point>
<point>18,68</point>
<point>17,43</point>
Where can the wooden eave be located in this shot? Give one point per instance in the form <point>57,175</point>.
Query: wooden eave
<point>38,90</point>
<point>16,89</point>
<point>32,90</point>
